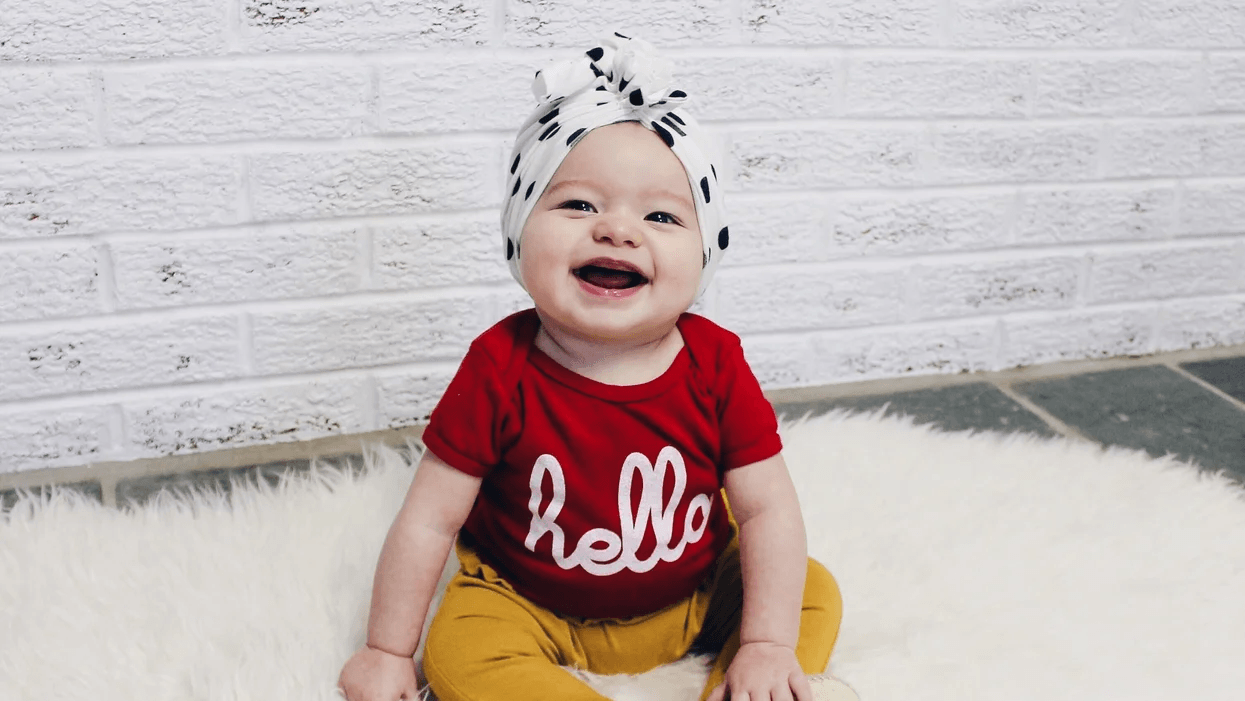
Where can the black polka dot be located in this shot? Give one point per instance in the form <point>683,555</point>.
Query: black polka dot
<point>596,54</point>
<point>509,249</point>
<point>674,126</point>
<point>552,113</point>
<point>715,171</point>
<point>704,260</point>
<point>601,87</point>
<point>677,93</point>
<point>529,191</point>
<point>724,238</point>
<point>571,138</point>
<point>517,183</point>
<point>676,118</point>
<point>637,97</point>
<point>621,36</point>
<point>553,129</point>
<point>595,71</point>
<point>622,84</point>
<point>515,164</point>
<point>518,249</point>
<point>704,187</point>
<point>665,135</point>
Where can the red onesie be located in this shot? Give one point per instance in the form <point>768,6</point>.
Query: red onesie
<point>601,501</point>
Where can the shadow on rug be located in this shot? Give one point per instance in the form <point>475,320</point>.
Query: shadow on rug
<point>972,567</point>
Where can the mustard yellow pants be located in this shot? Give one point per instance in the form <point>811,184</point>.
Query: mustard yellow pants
<point>487,643</point>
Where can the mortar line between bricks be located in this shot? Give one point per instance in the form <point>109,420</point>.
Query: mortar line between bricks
<point>1058,426</point>
<point>536,54</point>
<point>98,397</point>
<point>307,145</point>
<point>1175,367</point>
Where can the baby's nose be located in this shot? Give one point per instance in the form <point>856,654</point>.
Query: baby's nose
<point>618,230</point>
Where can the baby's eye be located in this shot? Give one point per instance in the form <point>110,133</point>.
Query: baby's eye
<point>578,205</point>
<point>663,218</point>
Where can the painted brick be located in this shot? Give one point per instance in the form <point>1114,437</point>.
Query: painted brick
<point>780,361</point>
<point>46,108</point>
<point>972,289</point>
<point>381,181</point>
<point>185,422</point>
<point>1031,339</point>
<point>571,23</point>
<point>1163,273</point>
<point>39,438</point>
<point>967,153</point>
<point>1154,149</point>
<point>902,224</point>
<point>49,30</point>
<point>752,301</point>
<point>1056,24</point>
<point>93,356</point>
<point>1128,212</point>
<point>1117,86</point>
<point>104,193</point>
<point>48,281</point>
<point>846,156</point>
<point>1202,323</point>
<point>451,93</point>
<point>1212,208</point>
<point>941,86</point>
<point>777,229</point>
<point>196,105</point>
<point>1189,23</point>
<point>841,22</point>
<point>407,397</point>
<point>792,86</point>
<point>349,26</point>
<point>1226,82</point>
<point>366,334</point>
<point>280,262</point>
<point>849,356</point>
<point>1223,149</point>
<point>462,250</point>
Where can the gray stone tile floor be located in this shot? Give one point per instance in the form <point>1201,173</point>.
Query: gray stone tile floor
<point>1194,410</point>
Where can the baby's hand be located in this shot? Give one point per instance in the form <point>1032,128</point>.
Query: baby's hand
<point>376,675</point>
<point>764,671</point>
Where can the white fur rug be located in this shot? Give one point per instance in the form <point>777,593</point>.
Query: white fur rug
<point>972,567</point>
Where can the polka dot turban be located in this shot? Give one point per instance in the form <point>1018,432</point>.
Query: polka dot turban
<point>619,79</point>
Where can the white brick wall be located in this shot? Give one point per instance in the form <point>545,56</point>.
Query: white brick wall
<point>226,222</point>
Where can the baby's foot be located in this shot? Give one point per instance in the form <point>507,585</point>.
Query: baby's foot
<point>829,688</point>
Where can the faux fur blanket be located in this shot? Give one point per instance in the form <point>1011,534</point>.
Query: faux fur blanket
<point>972,567</point>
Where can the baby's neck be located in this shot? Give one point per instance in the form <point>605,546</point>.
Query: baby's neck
<point>612,364</point>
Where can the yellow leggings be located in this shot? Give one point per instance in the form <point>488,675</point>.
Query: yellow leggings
<point>488,643</point>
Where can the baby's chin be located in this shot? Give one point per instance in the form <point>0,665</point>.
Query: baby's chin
<point>613,328</point>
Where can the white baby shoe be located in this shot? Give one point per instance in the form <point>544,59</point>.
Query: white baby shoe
<point>829,688</point>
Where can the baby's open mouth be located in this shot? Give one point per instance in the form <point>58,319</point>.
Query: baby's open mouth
<point>610,274</point>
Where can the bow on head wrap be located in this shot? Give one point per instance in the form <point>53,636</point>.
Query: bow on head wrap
<point>619,80</point>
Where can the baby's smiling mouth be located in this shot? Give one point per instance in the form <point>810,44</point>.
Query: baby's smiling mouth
<point>611,274</point>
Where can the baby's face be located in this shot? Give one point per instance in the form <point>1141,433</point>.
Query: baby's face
<point>612,250</point>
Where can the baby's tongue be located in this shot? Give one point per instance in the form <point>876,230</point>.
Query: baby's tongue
<point>608,278</point>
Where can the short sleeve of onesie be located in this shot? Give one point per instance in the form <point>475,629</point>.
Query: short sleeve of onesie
<point>467,426</point>
<point>749,428</point>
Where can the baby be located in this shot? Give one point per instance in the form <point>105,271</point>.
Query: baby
<point>606,460</point>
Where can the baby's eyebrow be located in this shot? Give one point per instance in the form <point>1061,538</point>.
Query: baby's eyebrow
<point>566,183</point>
<point>667,194</point>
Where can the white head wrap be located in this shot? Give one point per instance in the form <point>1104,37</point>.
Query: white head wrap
<point>619,80</point>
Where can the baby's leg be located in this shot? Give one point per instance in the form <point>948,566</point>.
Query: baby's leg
<point>820,615</point>
<point>487,643</point>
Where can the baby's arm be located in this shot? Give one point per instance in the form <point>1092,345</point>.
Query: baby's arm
<point>773,554</point>
<point>411,563</point>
